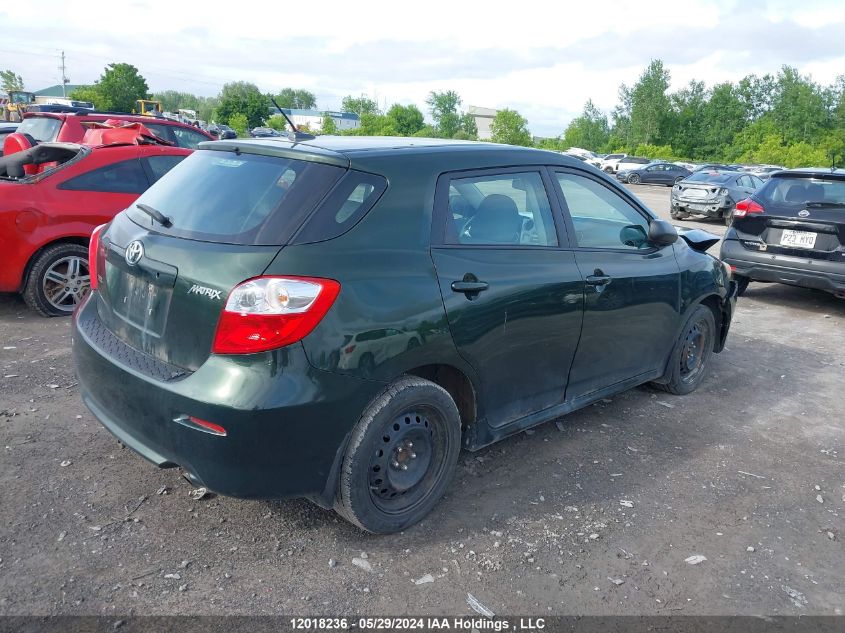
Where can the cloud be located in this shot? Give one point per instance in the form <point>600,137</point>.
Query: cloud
<point>542,59</point>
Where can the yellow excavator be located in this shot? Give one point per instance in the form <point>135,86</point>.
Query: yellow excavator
<point>16,105</point>
<point>147,108</point>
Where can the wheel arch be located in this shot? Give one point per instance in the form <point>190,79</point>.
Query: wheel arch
<point>453,380</point>
<point>457,383</point>
<point>79,240</point>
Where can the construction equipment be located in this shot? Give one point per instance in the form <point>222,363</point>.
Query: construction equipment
<point>15,106</point>
<point>147,107</point>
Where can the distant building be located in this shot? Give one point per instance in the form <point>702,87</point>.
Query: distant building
<point>483,118</point>
<point>313,119</point>
<point>47,95</point>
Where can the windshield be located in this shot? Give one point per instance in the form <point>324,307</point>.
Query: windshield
<point>217,196</point>
<point>706,176</point>
<point>42,128</point>
<point>804,191</point>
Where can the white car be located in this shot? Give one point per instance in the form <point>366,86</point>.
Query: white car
<point>609,163</point>
<point>367,349</point>
<point>584,154</point>
<point>630,162</point>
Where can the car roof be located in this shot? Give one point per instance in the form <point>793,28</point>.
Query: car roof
<point>810,172</point>
<point>105,116</point>
<point>346,150</point>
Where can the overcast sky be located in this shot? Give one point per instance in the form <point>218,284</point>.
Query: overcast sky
<point>544,59</point>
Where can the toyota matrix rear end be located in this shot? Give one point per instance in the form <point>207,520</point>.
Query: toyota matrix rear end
<point>187,349</point>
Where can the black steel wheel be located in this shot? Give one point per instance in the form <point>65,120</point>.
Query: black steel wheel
<point>401,456</point>
<point>688,363</point>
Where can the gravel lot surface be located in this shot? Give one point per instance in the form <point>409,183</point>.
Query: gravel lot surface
<point>601,512</point>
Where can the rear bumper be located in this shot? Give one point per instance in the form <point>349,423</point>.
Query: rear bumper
<point>785,269</point>
<point>710,208</point>
<point>286,422</point>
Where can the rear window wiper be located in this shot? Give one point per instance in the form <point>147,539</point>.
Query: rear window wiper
<point>156,215</point>
<point>824,205</point>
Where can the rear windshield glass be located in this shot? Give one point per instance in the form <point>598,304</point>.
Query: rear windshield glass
<point>704,176</point>
<point>803,191</point>
<point>217,196</point>
<point>43,129</point>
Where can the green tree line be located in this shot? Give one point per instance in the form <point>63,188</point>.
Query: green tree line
<point>784,119</point>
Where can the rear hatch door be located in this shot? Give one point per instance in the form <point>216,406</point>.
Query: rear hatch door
<point>803,217</point>
<point>162,289</point>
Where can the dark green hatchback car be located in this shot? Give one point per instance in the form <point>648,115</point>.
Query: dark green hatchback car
<point>336,318</point>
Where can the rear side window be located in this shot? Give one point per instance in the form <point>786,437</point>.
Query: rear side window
<point>501,209</point>
<point>160,165</point>
<point>230,198</point>
<point>43,129</point>
<point>124,177</point>
<point>188,138</point>
<point>802,191</point>
<point>704,176</point>
<point>350,201</point>
<point>161,131</point>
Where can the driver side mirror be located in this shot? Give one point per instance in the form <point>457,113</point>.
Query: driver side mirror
<point>662,233</point>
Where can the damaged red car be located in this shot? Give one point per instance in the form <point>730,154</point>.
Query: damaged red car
<point>53,195</point>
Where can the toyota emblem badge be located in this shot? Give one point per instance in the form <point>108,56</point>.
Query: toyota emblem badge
<point>134,252</point>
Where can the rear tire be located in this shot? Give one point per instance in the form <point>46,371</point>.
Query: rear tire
<point>741,284</point>
<point>401,457</point>
<point>634,179</point>
<point>58,280</point>
<point>692,351</point>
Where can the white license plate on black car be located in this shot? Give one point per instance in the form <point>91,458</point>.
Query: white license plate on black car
<point>798,239</point>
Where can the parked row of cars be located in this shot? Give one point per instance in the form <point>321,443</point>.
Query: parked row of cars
<point>405,298</point>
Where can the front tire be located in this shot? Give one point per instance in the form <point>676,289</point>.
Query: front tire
<point>58,280</point>
<point>692,351</point>
<point>401,457</point>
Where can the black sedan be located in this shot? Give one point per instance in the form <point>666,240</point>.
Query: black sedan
<point>225,132</point>
<point>712,194</point>
<point>264,132</point>
<point>791,231</point>
<point>654,174</point>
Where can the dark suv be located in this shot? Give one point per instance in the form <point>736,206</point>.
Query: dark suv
<point>490,288</point>
<point>791,231</point>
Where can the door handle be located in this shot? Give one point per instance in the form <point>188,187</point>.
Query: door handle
<point>598,280</point>
<point>469,287</point>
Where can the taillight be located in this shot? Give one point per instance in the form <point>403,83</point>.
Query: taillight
<point>747,207</point>
<point>93,250</point>
<point>266,313</point>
